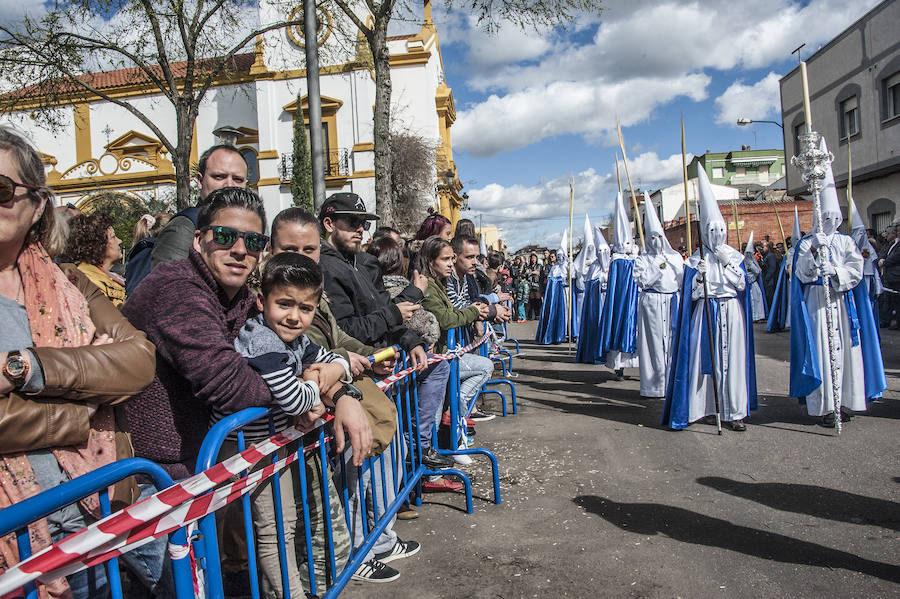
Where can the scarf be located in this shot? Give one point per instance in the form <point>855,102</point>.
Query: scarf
<point>59,317</point>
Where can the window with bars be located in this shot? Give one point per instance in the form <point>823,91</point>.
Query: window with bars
<point>849,117</point>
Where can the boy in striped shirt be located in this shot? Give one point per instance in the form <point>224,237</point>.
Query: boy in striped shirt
<point>299,373</point>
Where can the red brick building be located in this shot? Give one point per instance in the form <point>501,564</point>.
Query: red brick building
<point>758,216</point>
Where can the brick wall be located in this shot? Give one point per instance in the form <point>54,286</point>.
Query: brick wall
<point>758,217</point>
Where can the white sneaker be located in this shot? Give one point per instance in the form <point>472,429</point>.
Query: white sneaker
<point>462,458</point>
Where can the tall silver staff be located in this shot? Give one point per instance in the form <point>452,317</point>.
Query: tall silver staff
<point>812,163</point>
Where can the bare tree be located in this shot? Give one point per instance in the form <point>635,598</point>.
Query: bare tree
<point>413,179</point>
<point>529,14</point>
<point>178,49</point>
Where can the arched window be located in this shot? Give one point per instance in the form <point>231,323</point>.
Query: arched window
<point>252,161</point>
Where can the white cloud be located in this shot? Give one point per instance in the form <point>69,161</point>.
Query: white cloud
<point>643,55</point>
<point>538,213</point>
<point>757,101</point>
<point>582,107</point>
<point>12,11</point>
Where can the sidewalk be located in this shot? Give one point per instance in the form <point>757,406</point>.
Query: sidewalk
<point>599,501</point>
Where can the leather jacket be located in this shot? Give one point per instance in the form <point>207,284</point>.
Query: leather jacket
<point>58,415</point>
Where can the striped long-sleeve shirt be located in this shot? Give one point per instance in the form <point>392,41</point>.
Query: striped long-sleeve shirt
<point>280,364</point>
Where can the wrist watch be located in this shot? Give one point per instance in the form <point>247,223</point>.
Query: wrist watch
<point>347,389</point>
<point>16,368</point>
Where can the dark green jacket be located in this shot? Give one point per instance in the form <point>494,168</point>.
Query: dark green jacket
<point>438,303</point>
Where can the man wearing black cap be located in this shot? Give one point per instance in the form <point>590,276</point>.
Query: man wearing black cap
<point>358,300</point>
<point>364,309</point>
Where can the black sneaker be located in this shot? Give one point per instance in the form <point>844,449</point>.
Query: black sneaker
<point>479,416</point>
<point>737,426</point>
<point>375,571</point>
<point>620,374</point>
<point>433,459</point>
<point>400,550</point>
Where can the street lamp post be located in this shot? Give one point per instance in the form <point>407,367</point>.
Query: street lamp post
<point>745,121</point>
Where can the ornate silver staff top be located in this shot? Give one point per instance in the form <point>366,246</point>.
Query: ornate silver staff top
<point>813,163</point>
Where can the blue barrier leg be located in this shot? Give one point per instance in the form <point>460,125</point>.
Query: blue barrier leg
<point>248,530</point>
<point>113,575</point>
<point>502,398</point>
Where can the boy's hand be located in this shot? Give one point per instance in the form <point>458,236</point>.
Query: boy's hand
<point>329,373</point>
<point>307,420</point>
<point>358,363</point>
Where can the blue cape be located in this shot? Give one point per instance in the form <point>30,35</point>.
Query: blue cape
<point>588,351</point>
<point>552,324</point>
<point>678,394</point>
<point>618,324</point>
<point>780,300</point>
<point>577,301</point>
<point>806,373</point>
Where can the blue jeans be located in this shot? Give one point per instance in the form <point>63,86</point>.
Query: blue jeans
<point>432,384</point>
<point>474,371</point>
<point>150,565</point>
<point>520,308</point>
<point>376,489</point>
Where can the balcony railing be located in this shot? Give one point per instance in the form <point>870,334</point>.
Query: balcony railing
<point>337,164</point>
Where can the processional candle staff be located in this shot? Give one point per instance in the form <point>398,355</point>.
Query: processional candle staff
<point>812,162</point>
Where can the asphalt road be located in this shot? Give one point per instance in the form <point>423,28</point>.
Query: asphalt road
<point>600,501</point>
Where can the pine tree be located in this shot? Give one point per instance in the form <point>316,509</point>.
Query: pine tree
<point>301,168</point>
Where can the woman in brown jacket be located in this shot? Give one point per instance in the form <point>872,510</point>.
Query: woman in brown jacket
<point>68,358</point>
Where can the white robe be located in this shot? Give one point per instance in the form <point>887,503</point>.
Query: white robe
<point>729,341</point>
<point>659,278</point>
<point>848,263</point>
<point>616,360</point>
<point>756,298</point>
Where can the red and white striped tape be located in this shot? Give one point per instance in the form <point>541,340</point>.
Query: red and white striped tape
<point>169,509</point>
<point>401,374</point>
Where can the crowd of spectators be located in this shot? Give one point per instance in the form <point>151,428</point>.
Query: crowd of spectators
<point>215,314</point>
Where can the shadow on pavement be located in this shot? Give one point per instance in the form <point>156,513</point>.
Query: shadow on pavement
<point>690,527</point>
<point>648,415</point>
<point>812,500</point>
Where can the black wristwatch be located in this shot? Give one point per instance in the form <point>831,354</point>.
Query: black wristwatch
<point>16,368</point>
<point>347,389</point>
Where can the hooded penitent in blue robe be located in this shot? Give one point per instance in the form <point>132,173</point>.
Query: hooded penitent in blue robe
<point>806,365</point>
<point>778,311</point>
<point>618,323</point>
<point>589,335</point>
<point>552,323</point>
<point>678,393</point>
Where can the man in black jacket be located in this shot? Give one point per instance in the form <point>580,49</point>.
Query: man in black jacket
<point>364,310</point>
<point>890,263</point>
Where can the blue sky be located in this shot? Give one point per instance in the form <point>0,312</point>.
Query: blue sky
<point>536,108</point>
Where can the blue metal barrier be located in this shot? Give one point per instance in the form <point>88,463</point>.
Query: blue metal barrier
<point>456,434</point>
<point>512,388</point>
<point>399,469</point>
<point>17,517</point>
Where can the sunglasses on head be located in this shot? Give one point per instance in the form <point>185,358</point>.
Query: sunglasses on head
<point>8,189</point>
<point>227,237</point>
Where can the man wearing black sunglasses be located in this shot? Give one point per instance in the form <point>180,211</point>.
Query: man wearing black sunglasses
<point>357,297</point>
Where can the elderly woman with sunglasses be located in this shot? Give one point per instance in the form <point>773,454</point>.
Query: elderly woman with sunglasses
<point>69,360</point>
